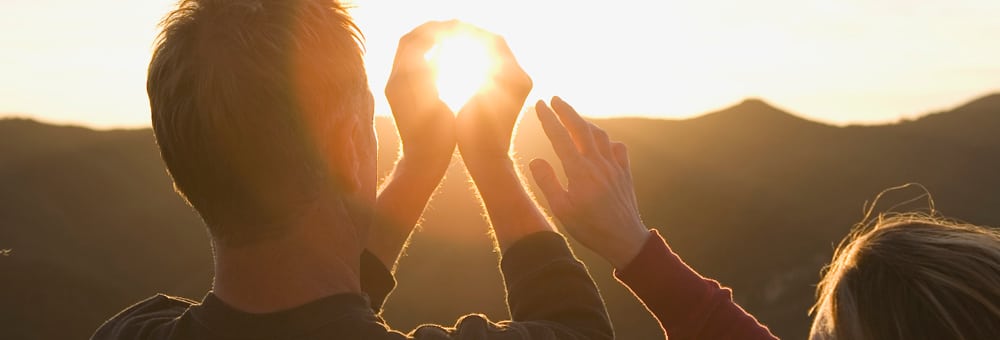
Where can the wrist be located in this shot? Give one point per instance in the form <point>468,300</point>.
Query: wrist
<point>495,175</point>
<point>631,245</point>
<point>479,164</point>
<point>428,166</point>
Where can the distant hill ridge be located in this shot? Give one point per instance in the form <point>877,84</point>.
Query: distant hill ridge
<point>750,195</point>
<point>755,112</point>
<point>749,109</point>
<point>982,104</point>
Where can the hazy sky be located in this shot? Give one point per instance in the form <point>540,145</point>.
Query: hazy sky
<point>831,60</point>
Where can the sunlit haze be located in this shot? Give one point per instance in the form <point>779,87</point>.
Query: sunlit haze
<point>837,61</point>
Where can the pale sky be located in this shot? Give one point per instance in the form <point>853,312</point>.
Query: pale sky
<point>838,61</point>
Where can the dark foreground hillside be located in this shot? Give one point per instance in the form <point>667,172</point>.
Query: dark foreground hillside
<point>750,195</point>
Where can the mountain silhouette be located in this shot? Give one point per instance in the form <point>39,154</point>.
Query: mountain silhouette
<point>750,195</point>
<point>753,112</point>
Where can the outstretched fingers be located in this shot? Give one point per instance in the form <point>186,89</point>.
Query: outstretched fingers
<point>548,183</point>
<point>620,153</point>
<point>602,142</point>
<point>560,138</point>
<point>577,126</point>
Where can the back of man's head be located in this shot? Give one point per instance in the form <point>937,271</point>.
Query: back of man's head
<point>244,97</point>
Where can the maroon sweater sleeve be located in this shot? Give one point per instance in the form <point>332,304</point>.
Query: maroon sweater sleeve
<point>687,305</point>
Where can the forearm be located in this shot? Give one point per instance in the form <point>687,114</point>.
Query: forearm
<point>513,213</point>
<point>399,205</point>
<point>548,288</point>
<point>687,305</point>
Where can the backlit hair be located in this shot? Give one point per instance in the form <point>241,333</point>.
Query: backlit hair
<point>911,276</point>
<point>243,94</point>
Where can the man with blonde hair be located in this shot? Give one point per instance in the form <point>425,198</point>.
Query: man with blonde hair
<point>263,116</point>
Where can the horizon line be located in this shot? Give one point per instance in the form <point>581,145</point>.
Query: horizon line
<point>527,107</point>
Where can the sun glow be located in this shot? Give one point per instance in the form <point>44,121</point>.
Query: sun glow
<point>463,64</point>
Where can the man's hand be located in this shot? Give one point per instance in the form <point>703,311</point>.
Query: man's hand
<point>426,125</point>
<point>599,207</point>
<point>427,133</point>
<point>485,123</point>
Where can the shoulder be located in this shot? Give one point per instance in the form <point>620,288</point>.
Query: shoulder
<point>145,319</point>
<point>479,327</point>
<point>469,327</point>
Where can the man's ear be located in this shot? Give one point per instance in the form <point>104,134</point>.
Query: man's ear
<point>344,154</point>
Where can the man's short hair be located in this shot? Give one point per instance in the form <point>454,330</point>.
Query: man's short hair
<point>243,94</point>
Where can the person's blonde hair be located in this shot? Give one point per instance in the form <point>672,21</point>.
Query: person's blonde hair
<point>911,276</point>
<point>242,95</point>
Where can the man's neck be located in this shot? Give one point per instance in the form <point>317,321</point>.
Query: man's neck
<point>304,265</point>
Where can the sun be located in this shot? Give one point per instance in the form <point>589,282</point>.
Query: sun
<point>463,63</point>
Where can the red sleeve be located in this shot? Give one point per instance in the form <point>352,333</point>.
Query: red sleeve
<point>687,305</point>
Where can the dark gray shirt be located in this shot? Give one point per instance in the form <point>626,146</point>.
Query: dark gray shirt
<point>549,292</point>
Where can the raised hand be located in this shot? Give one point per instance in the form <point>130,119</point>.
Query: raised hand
<point>485,123</point>
<point>427,131</point>
<point>598,207</point>
<point>425,123</point>
<point>483,127</point>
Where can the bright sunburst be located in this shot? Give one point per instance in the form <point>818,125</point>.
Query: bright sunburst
<point>463,64</point>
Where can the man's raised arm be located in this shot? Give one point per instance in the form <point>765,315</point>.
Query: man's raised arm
<point>426,129</point>
<point>550,293</point>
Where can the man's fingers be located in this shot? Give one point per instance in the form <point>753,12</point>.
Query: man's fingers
<point>507,70</point>
<point>500,48</point>
<point>577,126</point>
<point>621,155</point>
<point>495,42</point>
<point>547,181</point>
<point>415,44</point>
<point>602,141</point>
<point>424,36</point>
<point>411,80</point>
<point>560,139</point>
